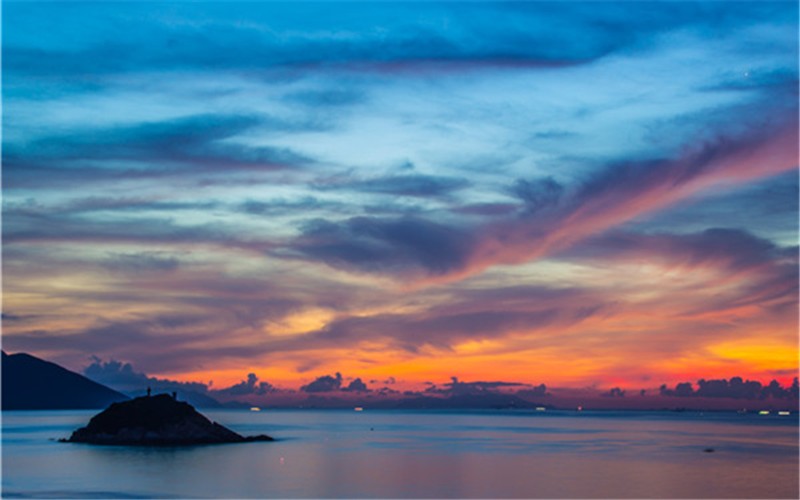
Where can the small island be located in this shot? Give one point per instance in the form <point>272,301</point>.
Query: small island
<point>158,420</point>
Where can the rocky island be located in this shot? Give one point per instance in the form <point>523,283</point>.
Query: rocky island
<point>158,420</point>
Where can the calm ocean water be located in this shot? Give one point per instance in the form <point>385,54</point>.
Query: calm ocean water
<point>489,454</point>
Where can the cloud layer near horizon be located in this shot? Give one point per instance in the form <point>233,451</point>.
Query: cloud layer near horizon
<point>330,391</point>
<point>608,194</point>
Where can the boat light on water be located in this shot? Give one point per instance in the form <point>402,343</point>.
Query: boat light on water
<point>255,408</point>
<point>358,408</point>
<point>764,412</point>
<point>784,413</point>
<point>540,408</point>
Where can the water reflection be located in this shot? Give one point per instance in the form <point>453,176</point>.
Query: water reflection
<point>385,454</point>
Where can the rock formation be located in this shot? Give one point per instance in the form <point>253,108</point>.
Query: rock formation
<point>159,420</point>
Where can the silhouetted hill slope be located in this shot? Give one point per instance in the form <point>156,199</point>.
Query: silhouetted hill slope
<point>30,383</point>
<point>199,400</point>
<point>194,398</point>
<point>155,421</point>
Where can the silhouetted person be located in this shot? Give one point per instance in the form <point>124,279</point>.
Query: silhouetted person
<point>174,395</point>
<point>148,392</point>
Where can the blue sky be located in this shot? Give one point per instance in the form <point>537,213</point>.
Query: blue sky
<point>415,190</point>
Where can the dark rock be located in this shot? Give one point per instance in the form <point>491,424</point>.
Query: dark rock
<point>709,450</point>
<point>155,421</point>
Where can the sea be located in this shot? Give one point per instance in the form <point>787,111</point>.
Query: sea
<point>419,454</point>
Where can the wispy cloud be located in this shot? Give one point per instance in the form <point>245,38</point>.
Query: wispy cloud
<point>553,217</point>
<point>401,185</point>
<point>195,146</point>
<point>388,190</point>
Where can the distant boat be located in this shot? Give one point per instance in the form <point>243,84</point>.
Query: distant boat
<point>358,408</point>
<point>764,412</point>
<point>540,408</point>
<point>784,413</point>
<point>255,408</point>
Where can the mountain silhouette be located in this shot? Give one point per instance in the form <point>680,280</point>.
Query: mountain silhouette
<point>30,383</point>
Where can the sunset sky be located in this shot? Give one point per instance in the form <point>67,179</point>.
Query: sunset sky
<point>576,194</point>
